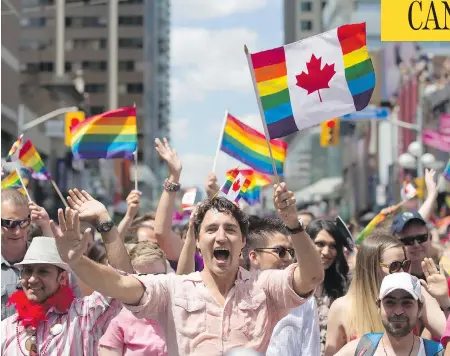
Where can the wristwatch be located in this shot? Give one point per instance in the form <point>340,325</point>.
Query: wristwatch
<point>296,230</point>
<point>105,226</point>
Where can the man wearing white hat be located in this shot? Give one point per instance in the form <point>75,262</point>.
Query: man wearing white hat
<point>48,319</point>
<point>400,304</point>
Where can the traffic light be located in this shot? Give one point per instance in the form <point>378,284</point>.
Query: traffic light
<point>72,119</point>
<point>329,135</point>
<point>420,187</point>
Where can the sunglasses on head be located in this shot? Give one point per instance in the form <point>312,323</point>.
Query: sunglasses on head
<point>396,266</point>
<point>281,251</point>
<point>12,224</point>
<point>408,241</point>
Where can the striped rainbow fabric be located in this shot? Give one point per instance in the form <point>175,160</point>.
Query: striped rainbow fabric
<point>30,158</point>
<point>110,135</point>
<point>12,181</point>
<point>253,193</point>
<point>250,147</point>
<point>275,84</point>
<point>16,145</point>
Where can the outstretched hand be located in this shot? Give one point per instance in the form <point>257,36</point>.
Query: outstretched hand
<point>88,208</point>
<point>169,155</point>
<point>436,281</point>
<point>71,245</point>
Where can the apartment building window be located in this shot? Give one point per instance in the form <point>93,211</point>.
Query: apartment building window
<point>95,88</point>
<point>86,21</point>
<point>134,42</point>
<point>87,43</point>
<point>126,66</point>
<point>135,88</point>
<point>34,22</point>
<point>131,20</point>
<point>95,110</point>
<point>126,2</point>
<point>305,6</point>
<point>94,65</point>
<point>35,44</point>
<point>306,25</point>
<point>34,3</point>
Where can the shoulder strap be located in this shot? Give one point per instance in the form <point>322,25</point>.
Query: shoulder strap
<point>368,344</point>
<point>433,348</point>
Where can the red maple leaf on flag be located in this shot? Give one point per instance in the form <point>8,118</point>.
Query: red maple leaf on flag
<point>236,185</point>
<point>317,78</point>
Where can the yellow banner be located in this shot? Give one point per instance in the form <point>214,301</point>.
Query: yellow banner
<point>415,20</point>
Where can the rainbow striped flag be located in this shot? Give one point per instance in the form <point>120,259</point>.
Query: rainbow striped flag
<point>30,158</point>
<point>304,83</point>
<point>110,135</point>
<point>253,193</point>
<point>12,181</point>
<point>16,145</point>
<point>447,171</point>
<point>235,186</point>
<point>377,220</point>
<point>250,147</point>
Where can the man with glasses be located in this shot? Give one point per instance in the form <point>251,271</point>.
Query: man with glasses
<point>269,247</point>
<point>411,229</point>
<point>16,216</point>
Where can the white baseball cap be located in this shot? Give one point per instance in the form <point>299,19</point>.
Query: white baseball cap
<point>403,281</point>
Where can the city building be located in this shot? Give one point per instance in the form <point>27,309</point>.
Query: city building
<point>142,75</point>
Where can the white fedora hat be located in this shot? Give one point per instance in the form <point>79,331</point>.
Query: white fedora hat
<point>43,250</point>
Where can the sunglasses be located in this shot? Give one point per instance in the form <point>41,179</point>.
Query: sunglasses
<point>396,266</point>
<point>408,241</point>
<point>12,224</point>
<point>281,251</point>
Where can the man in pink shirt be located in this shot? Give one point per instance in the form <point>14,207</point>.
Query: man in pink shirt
<point>222,307</point>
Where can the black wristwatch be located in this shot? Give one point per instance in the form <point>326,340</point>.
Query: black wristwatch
<point>296,230</point>
<point>105,226</point>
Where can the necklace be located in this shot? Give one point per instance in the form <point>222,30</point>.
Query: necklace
<point>410,351</point>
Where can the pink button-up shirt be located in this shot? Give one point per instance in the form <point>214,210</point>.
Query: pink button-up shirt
<point>82,326</point>
<point>195,323</point>
<point>134,337</point>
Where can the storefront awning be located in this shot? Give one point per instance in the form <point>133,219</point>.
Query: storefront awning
<point>323,188</point>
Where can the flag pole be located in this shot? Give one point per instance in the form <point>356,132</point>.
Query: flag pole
<point>23,185</point>
<point>59,193</point>
<point>220,140</point>
<point>261,112</point>
<point>136,157</point>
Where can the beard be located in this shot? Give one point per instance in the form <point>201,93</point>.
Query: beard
<point>398,326</point>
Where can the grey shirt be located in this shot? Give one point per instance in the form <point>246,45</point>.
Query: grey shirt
<point>11,283</point>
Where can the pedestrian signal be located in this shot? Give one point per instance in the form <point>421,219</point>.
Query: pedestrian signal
<point>329,135</point>
<point>72,119</point>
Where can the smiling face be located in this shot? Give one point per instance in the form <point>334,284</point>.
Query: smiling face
<point>326,246</point>
<point>415,231</point>
<point>41,281</point>
<point>221,242</point>
<point>393,254</point>
<point>14,238</point>
<point>267,257</point>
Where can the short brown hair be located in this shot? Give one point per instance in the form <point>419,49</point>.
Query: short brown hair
<point>146,252</point>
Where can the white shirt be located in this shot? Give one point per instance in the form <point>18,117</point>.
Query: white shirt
<point>380,350</point>
<point>297,333</point>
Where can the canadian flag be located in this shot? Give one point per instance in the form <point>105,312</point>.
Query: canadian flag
<point>408,191</point>
<point>235,189</point>
<point>188,200</point>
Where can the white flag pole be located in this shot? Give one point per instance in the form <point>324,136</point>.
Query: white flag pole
<point>220,141</point>
<point>261,112</point>
<point>136,158</point>
<point>23,185</point>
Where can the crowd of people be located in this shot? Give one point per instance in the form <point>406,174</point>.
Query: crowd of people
<point>225,283</point>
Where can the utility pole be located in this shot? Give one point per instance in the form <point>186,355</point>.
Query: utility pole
<point>112,54</point>
<point>60,31</point>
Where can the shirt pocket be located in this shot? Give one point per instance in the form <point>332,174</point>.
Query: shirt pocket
<point>253,315</point>
<point>189,316</point>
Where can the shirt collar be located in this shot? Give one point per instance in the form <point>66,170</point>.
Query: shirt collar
<point>242,276</point>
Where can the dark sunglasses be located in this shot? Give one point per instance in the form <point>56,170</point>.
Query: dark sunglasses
<point>396,266</point>
<point>12,224</point>
<point>408,241</point>
<point>280,250</point>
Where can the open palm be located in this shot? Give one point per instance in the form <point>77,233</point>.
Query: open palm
<point>87,207</point>
<point>71,245</point>
<point>436,282</point>
<point>169,155</point>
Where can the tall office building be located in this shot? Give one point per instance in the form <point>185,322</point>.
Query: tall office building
<point>143,63</point>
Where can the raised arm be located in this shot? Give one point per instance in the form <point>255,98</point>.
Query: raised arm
<point>133,201</point>
<point>309,272</point>
<point>40,216</point>
<point>104,279</point>
<point>186,263</point>
<point>168,240</point>
<point>96,213</point>
<point>426,208</point>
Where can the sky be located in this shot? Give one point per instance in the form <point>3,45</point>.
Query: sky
<point>210,74</point>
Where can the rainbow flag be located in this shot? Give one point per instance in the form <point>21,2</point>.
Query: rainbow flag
<point>235,186</point>
<point>30,158</point>
<point>447,171</point>
<point>250,147</point>
<point>110,135</point>
<point>370,227</point>
<point>253,193</point>
<point>12,181</point>
<point>15,146</point>
<point>319,78</point>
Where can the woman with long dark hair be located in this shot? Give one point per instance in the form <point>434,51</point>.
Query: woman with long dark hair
<point>330,239</point>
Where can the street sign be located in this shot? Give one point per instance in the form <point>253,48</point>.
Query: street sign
<point>368,114</point>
